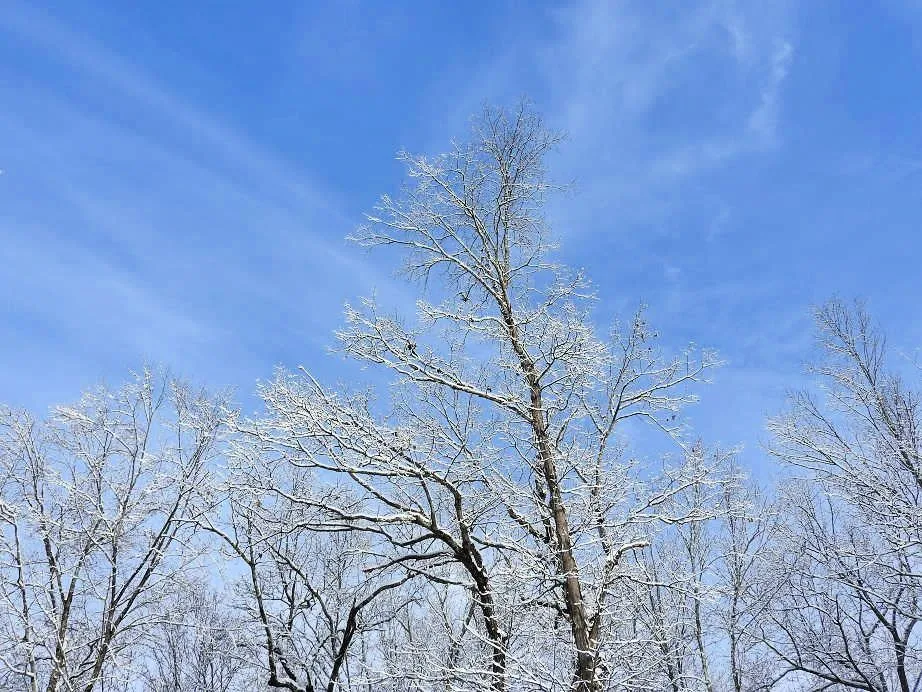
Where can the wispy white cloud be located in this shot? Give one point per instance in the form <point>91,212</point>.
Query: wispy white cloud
<point>117,78</point>
<point>763,121</point>
<point>138,225</point>
<point>665,96</point>
<point>651,98</point>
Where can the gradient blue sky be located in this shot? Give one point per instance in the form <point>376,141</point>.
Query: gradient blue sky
<point>178,177</point>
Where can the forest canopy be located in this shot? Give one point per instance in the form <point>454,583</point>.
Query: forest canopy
<point>482,522</point>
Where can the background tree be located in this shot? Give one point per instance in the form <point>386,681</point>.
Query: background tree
<point>199,644</point>
<point>94,505</point>
<point>311,594</point>
<point>850,567</point>
<point>744,541</point>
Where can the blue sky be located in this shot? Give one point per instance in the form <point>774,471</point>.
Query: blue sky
<point>178,178</point>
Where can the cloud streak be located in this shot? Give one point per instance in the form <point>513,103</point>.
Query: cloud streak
<point>138,226</point>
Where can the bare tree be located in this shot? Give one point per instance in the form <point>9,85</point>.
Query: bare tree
<point>748,529</point>
<point>850,568</point>
<point>838,618</point>
<point>93,505</point>
<point>497,453</point>
<point>312,594</point>
<point>698,582</point>
<point>198,644</point>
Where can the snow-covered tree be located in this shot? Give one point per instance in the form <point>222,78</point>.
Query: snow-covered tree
<point>199,643</point>
<point>311,596</point>
<point>497,457</point>
<point>95,506</point>
<point>848,601</point>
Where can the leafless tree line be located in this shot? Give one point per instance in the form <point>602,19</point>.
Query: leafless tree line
<point>491,520</point>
